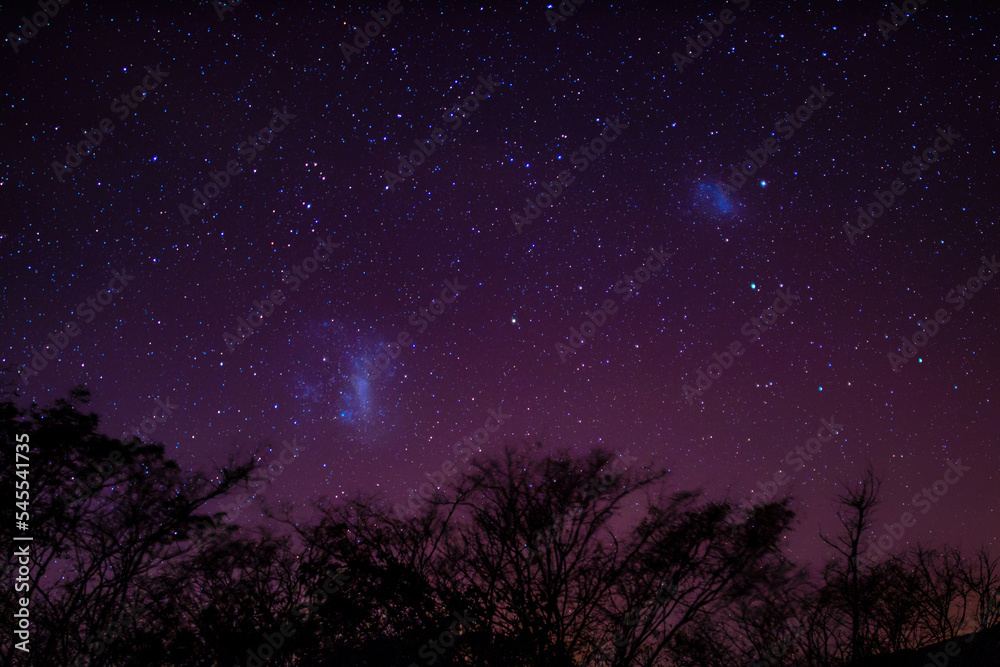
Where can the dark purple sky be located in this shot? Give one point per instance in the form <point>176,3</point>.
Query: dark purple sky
<point>670,140</point>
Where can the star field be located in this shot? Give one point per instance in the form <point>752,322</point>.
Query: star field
<point>660,185</point>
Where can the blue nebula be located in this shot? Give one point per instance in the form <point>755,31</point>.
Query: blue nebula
<point>330,380</point>
<point>711,197</point>
<point>355,402</point>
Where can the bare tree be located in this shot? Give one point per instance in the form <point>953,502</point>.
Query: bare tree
<point>94,552</point>
<point>895,610</point>
<point>982,576</point>
<point>546,550</point>
<point>560,560</point>
<point>856,514</point>
<point>766,627</point>
<point>941,591</point>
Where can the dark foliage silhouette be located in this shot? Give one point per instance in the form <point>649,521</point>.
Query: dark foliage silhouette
<point>561,560</point>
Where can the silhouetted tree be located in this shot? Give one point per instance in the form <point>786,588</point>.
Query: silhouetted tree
<point>526,559</point>
<point>941,591</point>
<point>857,504</point>
<point>982,577</point>
<point>93,552</point>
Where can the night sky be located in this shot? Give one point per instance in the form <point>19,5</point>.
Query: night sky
<point>650,227</point>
